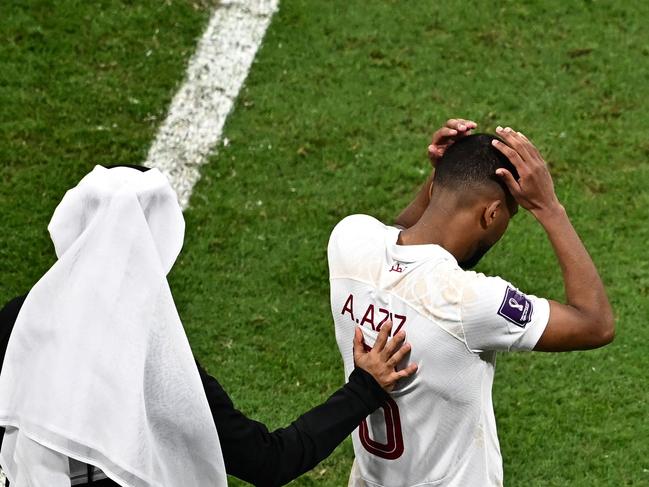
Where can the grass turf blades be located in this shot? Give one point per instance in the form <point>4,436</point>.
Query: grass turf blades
<point>335,120</point>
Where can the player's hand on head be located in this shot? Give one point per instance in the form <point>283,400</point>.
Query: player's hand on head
<point>382,359</point>
<point>534,189</point>
<point>453,130</point>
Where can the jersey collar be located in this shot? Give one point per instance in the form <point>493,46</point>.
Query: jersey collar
<point>413,253</point>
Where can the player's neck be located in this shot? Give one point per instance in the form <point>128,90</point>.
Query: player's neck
<point>443,227</point>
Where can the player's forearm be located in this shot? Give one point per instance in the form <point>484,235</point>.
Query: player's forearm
<point>412,213</point>
<point>584,288</point>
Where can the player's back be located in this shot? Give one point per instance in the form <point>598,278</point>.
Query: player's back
<point>438,428</point>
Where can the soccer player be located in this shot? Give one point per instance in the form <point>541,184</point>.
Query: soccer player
<point>439,426</point>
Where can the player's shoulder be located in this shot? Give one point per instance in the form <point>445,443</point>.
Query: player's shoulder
<point>472,277</point>
<point>357,222</point>
<point>475,283</point>
<point>492,294</point>
<point>465,285</point>
<point>356,226</point>
<point>356,239</point>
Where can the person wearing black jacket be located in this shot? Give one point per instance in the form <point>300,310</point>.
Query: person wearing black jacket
<point>264,458</point>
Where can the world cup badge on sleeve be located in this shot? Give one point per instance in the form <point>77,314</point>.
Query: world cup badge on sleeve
<point>516,307</point>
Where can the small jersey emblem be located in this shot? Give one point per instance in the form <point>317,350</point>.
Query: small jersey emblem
<point>396,267</point>
<point>516,307</point>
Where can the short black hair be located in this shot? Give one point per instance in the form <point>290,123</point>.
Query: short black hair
<point>470,162</point>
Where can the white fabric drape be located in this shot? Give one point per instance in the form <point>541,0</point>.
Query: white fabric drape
<point>98,367</point>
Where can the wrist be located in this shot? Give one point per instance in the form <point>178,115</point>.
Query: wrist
<point>550,213</point>
<point>374,395</point>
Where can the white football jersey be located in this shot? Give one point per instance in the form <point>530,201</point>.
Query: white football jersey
<point>438,428</point>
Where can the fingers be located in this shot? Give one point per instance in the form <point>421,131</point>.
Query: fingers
<point>441,138</point>
<point>394,345</point>
<point>509,180</point>
<point>511,154</point>
<point>460,124</point>
<point>400,353</point>
<point>359,349</point>
<point>534,189</point>
<point>515,141</point>
<point>454,129</point>
<point>531,148</point>
<point>394,377</point>
<point>382,338</point>
<point>445,132</point>
<point>408,371</point>
<point>435,152</point>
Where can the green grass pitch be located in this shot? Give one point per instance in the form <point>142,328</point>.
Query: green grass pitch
<point>335,119</point>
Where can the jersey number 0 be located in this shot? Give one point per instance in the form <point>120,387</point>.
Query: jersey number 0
<point>393,447</point>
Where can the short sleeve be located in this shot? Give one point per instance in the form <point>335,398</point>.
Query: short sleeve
<point>497,316</point>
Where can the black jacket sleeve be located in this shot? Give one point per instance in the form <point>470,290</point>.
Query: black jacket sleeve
<point>260,457</point>
<point>8,316</point>
<point>250,451</point>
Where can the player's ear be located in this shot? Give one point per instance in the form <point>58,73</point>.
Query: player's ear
<point>490,213</point>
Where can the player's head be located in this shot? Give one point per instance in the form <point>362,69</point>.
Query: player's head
<point>466,175</point>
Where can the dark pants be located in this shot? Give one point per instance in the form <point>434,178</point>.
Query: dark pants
<point>98,483</point>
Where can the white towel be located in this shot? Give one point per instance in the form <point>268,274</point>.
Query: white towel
<point>98,367</point>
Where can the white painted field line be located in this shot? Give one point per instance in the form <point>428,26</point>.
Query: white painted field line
<point>214,77</point>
